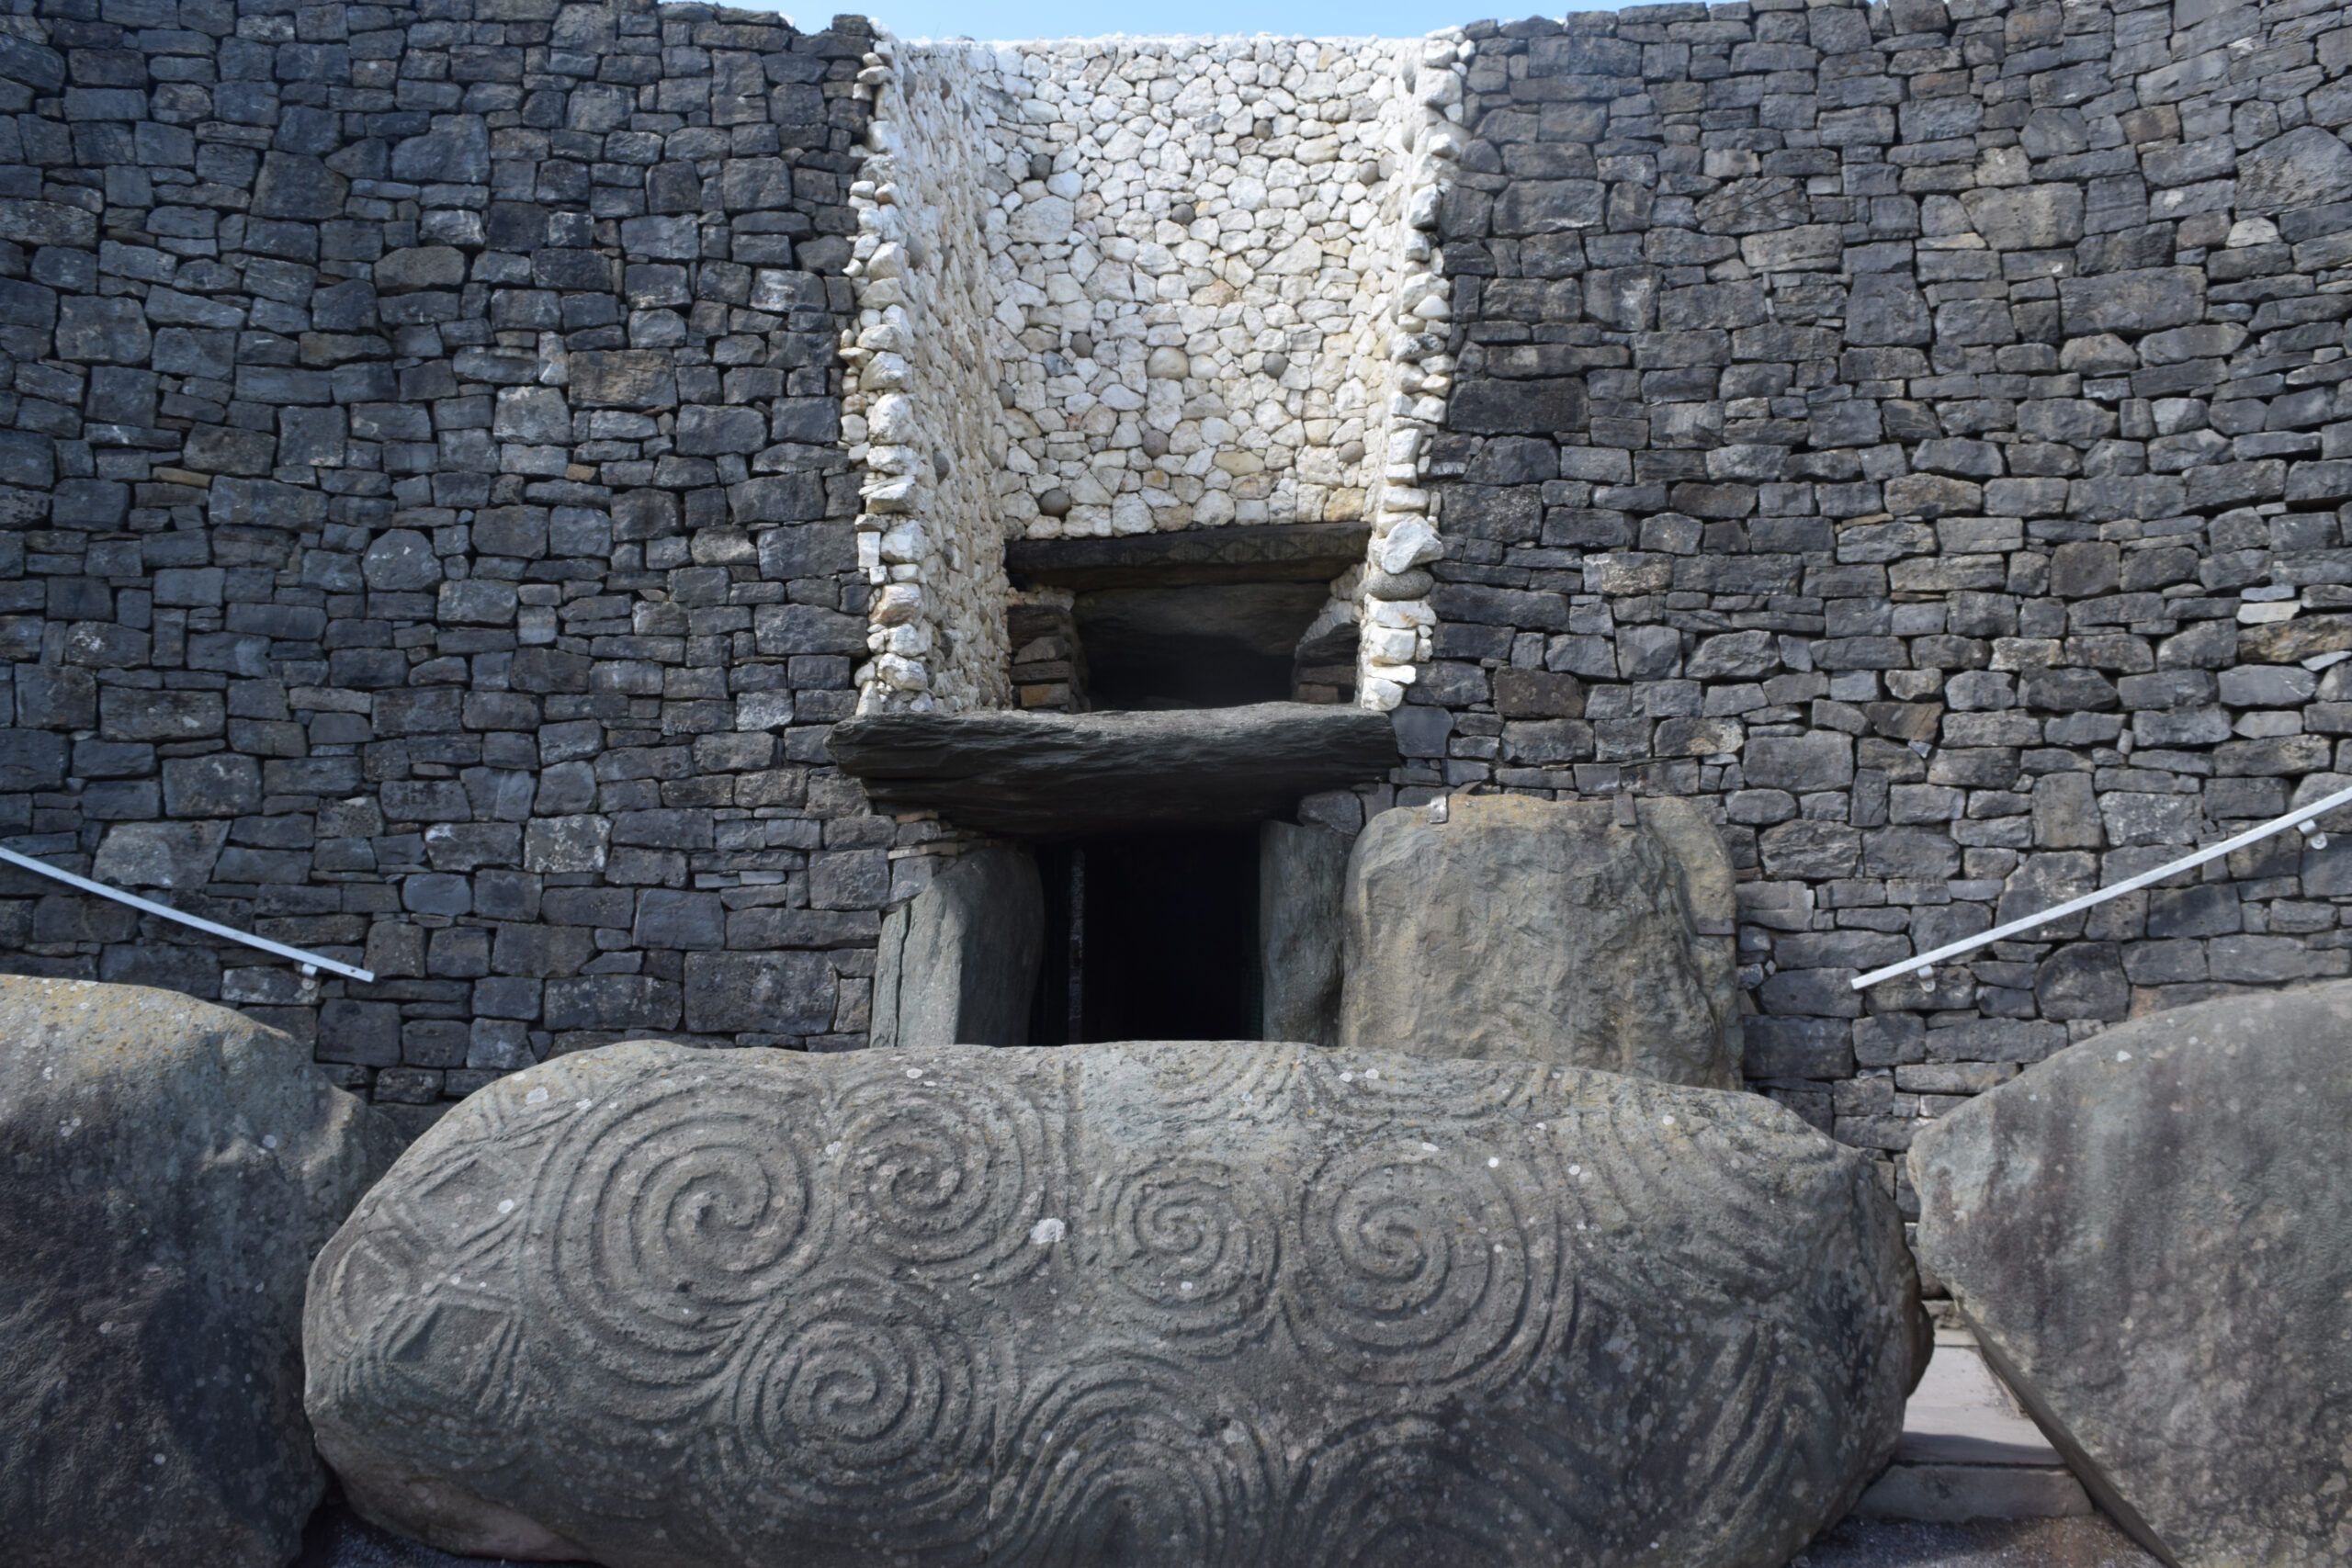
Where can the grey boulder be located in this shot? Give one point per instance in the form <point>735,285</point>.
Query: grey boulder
<point>169,1168</point>
<point>957,962</point>
<point>1551,931</point>
<point>1121,1303</point>
<point>2152,1231</point>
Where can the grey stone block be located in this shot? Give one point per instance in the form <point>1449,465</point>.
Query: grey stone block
<point>2187,1387</point>
<point>957,964</point>
<point>1615,955</point>
<point>1089,1248</point>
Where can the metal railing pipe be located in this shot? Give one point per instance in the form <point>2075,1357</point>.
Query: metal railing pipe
<point>311,962</point>
<point>2301,816</point>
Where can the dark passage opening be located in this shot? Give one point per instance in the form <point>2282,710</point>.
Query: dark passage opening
<point>1150,936</point>
<point>1208,645</point>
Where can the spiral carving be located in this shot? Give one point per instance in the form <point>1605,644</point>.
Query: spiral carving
<point>1118,1461</point>
<point>858,1404</point>
<point>1028,1306</point>
<point>1196,1245</point>
<point>1419,1266</point>
<point>1434,1093</point>
<point>670,1214</point>
<point>1404,1491</point>
<point>944,1170</point>
<point>1218,1082</point>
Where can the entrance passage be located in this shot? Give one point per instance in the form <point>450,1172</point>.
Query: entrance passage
<point>1150,936</point>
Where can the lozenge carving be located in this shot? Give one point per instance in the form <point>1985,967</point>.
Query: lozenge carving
<point>1183,1304</point>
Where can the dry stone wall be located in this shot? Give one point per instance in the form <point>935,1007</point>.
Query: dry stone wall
<point>441,526</point>
<point>1921,430</point>
<point>428,540</point>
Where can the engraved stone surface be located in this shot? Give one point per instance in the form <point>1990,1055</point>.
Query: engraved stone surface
<point>1136,1303</point>
<point>2152,1231</point>
<point>167,1170</point>
<point>1549,931</point>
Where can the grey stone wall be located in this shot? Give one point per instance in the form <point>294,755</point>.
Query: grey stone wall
<point>426,537</point>
<point>1921,430</point>
<point>1914,431</point>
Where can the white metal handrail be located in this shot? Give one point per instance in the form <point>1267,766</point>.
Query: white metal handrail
<point>311,962</point>
<point>2303,817</point>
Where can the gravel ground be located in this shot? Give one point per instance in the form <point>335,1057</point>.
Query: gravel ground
<point>336,1539</point>
<point>1990,1543</point>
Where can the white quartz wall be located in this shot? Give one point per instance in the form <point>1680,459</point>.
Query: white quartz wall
<point>1191,243</point>
<point>922,413</point>
<point>1126,284</point>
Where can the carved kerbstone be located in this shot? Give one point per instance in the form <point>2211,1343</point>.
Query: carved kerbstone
<point>1183,1304</point>
<point>1594,933</point>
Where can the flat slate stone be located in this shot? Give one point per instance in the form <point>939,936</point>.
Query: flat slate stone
<point>1062,776</point>
<point>1299,551</point>
<point>2151,1233</point>
<point>1135,1303</point>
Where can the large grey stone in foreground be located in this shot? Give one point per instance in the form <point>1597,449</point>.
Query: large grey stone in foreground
<point>1127,1304</point>
<point>1059,776</point>
<point>2152,1231</point>
<point>1546,929</point>
<point>167,1170</point>
<point>958,961</point>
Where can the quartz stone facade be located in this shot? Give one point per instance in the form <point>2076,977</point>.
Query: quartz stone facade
<point>1141,285</point>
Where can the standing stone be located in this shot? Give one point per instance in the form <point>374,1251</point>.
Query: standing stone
<point>957,962</point>
<point>1544,930</point>
<point>1201,1303</point>
<point>2151,1233</point>
<point>1302,891</point>
<point>167,1169</point>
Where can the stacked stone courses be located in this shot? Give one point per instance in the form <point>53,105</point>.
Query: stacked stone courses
<point>428,540</point>
<point>1919,428</point>
<point>1912,431</point>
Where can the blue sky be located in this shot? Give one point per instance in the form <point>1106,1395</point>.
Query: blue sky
<point>1088,18</point>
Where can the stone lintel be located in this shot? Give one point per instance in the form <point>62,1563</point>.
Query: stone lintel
<point>1278,552</point>
<point>1050,775</point>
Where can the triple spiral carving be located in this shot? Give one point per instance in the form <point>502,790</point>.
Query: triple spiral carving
<point>670,1214</point>
<point>1418,1266</point>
